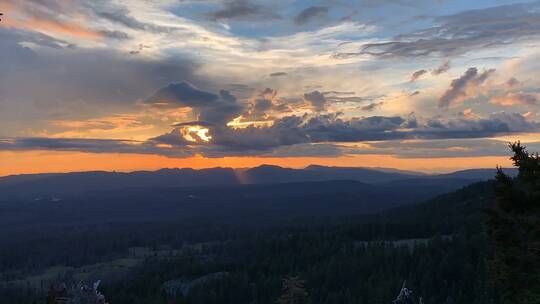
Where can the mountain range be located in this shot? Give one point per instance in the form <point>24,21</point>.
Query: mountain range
<point>60,185</point>
<point>265,195</point>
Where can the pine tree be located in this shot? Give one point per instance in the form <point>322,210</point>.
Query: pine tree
<point>514,227</point>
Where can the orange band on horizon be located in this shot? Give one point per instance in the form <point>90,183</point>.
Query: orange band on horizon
<point>20,162</point>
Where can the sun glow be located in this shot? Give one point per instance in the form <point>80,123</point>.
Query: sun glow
<point>195,134</point>
<point>237,123</point>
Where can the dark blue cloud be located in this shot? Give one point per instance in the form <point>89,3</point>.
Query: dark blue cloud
<point>417,75</point>
<point>310,13</point>
<point>294,130</point>
<point>217,109</point>
<point>316,99</point>
<point>278,74</point>
<point>180,94</point>
<point>89,145</point>
<point>243,10</point>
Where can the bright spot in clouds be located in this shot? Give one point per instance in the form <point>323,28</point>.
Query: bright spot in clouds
<point>195,133</point>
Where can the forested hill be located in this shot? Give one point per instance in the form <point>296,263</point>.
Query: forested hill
<point>447,213</point>
<point>438,246</point>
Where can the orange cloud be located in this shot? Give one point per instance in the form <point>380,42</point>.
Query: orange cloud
<point>6,7</point>
<point>137,125</point>
<point>132,126</point>
<point>516,98</point>
<point>19,15</point>
<point>469,114</point>
<point>53,27</point>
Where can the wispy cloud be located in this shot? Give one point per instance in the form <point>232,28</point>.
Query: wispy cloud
<point>462,32</point>
<point>516,98</point>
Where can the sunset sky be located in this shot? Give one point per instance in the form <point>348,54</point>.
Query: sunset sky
<point>429,85</point>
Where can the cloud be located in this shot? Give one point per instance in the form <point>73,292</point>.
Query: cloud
<point>228,141</point>
<point>56,18</point>
<point>123,122</point>
<point>350,97</point>
<point>458,90</point>
<point>278,74</point>
<point>242,10</point>
<point>495,124</point>
<point>443,68</point>
<point>88,80</point>
<point>180,94</point>
<point>81,82</point>
<point>210,107</point>
<point>118,35</point>
<point>63,28</point>
<point>12,40</point>
<point>193,123</point>
<point>261,105</point>
<point>469,114</point>
<point>293,130</point>
<point>91,145</point>
<point>289,131</point>
<point>372,106</point>
<point>331,128</point>
<point>316,99</point>
<point>512,82</point>
<point>441,148</point>
<point>122,16</point>
<point>417,75</point>
<point>461,33</point>
<point>516,98</point>
<point>177,137</point>
<point>308,14</point>
<point>224,110</point>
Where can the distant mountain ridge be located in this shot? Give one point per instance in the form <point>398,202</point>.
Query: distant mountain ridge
<point>479,174</point>
<point>61,184</point>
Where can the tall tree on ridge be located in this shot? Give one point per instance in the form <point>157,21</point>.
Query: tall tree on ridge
<point>514,227</point>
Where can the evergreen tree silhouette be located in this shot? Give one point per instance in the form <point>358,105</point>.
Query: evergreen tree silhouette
<point>514,227</point>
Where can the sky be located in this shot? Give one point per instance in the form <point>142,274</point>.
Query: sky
<point>428,85</point>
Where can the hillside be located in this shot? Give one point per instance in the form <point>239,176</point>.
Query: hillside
<point>252,204</point>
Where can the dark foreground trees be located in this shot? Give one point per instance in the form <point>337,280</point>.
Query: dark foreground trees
<point>293,292</point>
<point>514,227</point>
